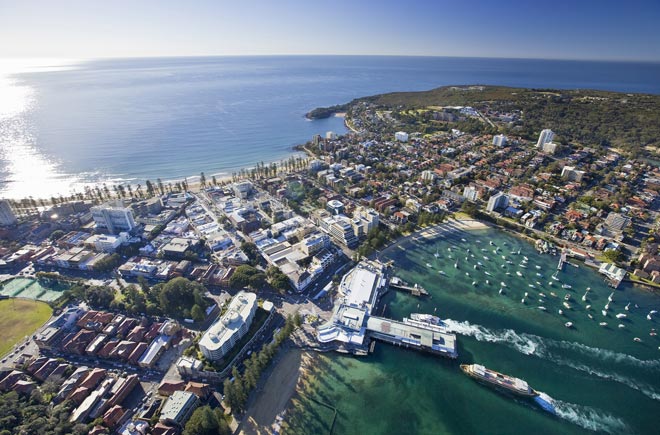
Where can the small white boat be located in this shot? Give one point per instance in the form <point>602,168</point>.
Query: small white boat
<point>488,282</point>
<point>554,277</point>
<point>437,254</point>
<point>463,240</point>
<point>603,323</point>
<point>479,263</point>
<point>590,316</point>
<point>604,313</point>
<point>456,265</point>
<point>621,325</point>
<point>486,258</point>
<point>467,258</point>
<point>550,283</point>
<point>627,307</point>
<point>553,294</point>
<point>475,267</point>
<point>584,297</point>
<point>531,286</point>
<point>637,339</point>
<point>467,274</point>
<point>566,286</point>
<point>611,297</point>
<point>538,283</point>
<point>487,273</point>
<point>621,316</point>
<point>522,300</point>
<point>442,272</point>
<point>542,295</point>
<point>449,249</point>
<point>450,257</point>
<point>518,273</point>
<point>484,250</point>
<point>491,243</point>
<point>607,306</point>
<point>561,313</point>
<point>538,267</point>
<point>474,283</point>
<point>429,265</point>
<point>526,259</point>
<point>501,291</point>
<point>503,257</point>
<point>567,297</point>
<point>509,262</point>
<point>588,307</point>
<point>495,251</point>
<point>542,308</point>
<point>503,284</point>
<point>526,294</point>
<point>540,275</point>
<point>566,305</point>
<point>503,266</point>
<point>508,273</point>
<point>568,324</point>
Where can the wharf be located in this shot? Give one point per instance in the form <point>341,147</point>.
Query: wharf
<point>413,336</point>
<point>562,260</point>
<point>400,285</point>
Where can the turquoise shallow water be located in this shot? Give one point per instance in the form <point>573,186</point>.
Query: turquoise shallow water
<point>599,377</point>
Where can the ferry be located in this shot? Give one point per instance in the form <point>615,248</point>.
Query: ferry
<point>498,380</point>
<point>428,319</point>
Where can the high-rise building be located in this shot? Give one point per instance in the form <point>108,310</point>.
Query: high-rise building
<point>7,216</point>
<point>546,136</point>
<point>497,201</point>
<point>499,140</point>
<point>113,217</point>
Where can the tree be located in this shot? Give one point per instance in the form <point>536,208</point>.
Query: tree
<point>613,255</point>
<point>202,422</point>
<point>202,179</point>
<point>197,313</point>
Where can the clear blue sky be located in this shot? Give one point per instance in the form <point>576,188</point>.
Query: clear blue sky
<point>578,29</point>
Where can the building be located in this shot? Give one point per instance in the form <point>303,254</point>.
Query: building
<point>550,147</point>
<point>178,408</point>
<point>331,135</point>
<point>428,176</point>
<point>7,216</point>
<point>340,230</point>
<point>113,217</point>
<point>242,189</point>
<point>569,173</point>
<point>335,207</point>
<point>401,136</point>
<point>545,137</point>
<point>106,242</point>
<point>230,328</point>
<point>499,140</point>
<point>497,201</point>
<point>471,193</point>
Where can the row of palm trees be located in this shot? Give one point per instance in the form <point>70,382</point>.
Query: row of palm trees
<point>100,193</point>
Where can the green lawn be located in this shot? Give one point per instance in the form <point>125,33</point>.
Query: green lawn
<point>18,318</point>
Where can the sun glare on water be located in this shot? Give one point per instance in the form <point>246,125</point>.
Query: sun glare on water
<point>24,170</point>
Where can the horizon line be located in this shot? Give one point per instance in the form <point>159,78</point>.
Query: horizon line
<point>179,56</point>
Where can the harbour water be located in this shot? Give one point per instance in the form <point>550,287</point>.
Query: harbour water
<point>127,120</point>
<point>599,378</point>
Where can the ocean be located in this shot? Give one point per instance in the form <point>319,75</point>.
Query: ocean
<point>600,378</point>
<point>64,125</point>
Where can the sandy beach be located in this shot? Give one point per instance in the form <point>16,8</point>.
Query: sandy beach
<point>265,412</point>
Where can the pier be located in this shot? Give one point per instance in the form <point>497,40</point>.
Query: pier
<point>562,260</point>
<point>400,285</point>
<point>410,335</point>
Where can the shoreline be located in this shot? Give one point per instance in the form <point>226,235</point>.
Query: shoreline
<point>267,409</point>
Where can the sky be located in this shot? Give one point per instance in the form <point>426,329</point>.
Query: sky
<point>577,29</point>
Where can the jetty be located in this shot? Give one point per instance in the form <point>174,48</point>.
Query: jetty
<point>400,285</point>
<point>562,260</point>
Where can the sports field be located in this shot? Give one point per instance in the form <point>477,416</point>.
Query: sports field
<point>20,318</point>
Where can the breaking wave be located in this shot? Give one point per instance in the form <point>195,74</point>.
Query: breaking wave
<point>590,418</point>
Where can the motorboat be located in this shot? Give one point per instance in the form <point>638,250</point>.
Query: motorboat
<point>553,294</point>
<point>538,267</point>
<point>588,307</point>
<point>526,294</point>
<point>540,275</point>
<point>522,300</point>
<point>542,295</point>
<point>488,282</point>
<point>487,273</point>
<point>568,324</point>
<point>637,339</point>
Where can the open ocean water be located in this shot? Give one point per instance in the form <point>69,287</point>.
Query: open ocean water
<point>65,125</point>
<point>601,380</point>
